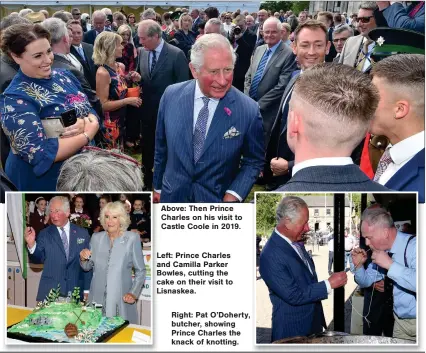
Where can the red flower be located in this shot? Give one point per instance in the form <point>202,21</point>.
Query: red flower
<point>227,111</point>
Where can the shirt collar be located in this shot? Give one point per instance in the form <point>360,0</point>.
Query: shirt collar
<point>79,210</point>
<point>274,47</point>
<point>199,94</point>
<point>40,213</point>
<point>408,148</point>
<point>399,243</point>
<point>159,47</point>
<point>327,161</point>
<point>66,228</point>
<point>283,236</point>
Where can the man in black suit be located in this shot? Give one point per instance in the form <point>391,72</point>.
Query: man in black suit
<point>160,65</point>
<point>99,20</point>
<point>327,18</point>
<point>83,52</point>
<point>245,43</point>
<point>195,15</point>
<point>324,127</point>
<point>279,157</point>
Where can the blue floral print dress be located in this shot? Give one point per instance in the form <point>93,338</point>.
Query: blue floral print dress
<point>31,162</point>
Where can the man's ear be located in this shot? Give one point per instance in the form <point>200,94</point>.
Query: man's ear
<point>402,108</point>
<point>193,71</point>
<point>327,48</point>
<point>293,122</point>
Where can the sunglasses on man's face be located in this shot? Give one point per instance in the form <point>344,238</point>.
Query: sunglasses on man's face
<point>365,19</point>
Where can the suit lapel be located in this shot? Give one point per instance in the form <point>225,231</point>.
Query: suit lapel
<point>274,57</point>
<point>259,58</point>
<point>72,244</point>
<point>285,101</point>
<point>161,59</point>
<point>219,121</point>
<point>145,63</point>
<point>289,249</point>
<point>185,120</point>
<point>407,173</point>
<point>56,237</point>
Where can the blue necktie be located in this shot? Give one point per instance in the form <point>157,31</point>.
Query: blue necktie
<point>81,52</point>
<point>200,129</point>
<point>299,250</point>
<point>258,75</point>
<point>154,60</point>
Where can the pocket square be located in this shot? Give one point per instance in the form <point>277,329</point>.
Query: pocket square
<point>232,132</point>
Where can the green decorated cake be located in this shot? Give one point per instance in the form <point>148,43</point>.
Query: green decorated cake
<point>66,320</point>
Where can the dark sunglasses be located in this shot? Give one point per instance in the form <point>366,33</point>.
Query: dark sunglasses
<point>131,16</point>
<point>77,14</point>
<point>365,19</point>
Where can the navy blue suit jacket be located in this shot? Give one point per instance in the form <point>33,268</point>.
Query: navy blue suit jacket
<point>57,270</point>
<point>411,177</point>
<point>220,166</point>
<point>295,293</point>
<point>331,178</point>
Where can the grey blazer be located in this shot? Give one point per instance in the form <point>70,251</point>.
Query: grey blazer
<point>112,273</point>
<point>350,51</point>
<point>275,78</point>
<point>171,67</point>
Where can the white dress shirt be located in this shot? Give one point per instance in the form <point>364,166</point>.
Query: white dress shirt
<point>78,48</point>
<point>367,63</point>
<point>327,161</point>
<point>198,105</point>
<point>67,232</point>
<point>401,154</point>
<point>327,283</point>
<point>157,53</point>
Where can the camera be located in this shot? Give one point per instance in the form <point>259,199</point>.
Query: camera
<point>237,30</point>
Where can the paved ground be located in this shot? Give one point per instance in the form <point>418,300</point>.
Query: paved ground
<point>264,306</point>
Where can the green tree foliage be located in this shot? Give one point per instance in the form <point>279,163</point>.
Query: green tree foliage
<point>276,6</point>
<point>266,205</point>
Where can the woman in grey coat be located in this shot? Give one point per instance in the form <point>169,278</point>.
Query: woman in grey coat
<point>112,255</point>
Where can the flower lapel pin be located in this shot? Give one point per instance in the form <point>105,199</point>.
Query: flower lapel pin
<point>380,41</point>
<point>227,111</point>
<point>232,132</point>
<point>80,240</point>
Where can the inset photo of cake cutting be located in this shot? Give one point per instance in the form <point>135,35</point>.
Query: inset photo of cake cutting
<point>78,268</point>
<point>336,268</point>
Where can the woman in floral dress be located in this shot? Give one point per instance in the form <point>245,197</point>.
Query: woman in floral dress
<point>111,88</point>
<point>35,96</point>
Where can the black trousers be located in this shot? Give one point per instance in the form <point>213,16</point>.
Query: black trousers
<point>381,313</point>
<point>133,123</point>
<point>148,127</point>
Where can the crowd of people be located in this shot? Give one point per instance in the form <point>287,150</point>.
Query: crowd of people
<point>85,211</point>
<point>385,268</point>
<point>304,103</point>
<point>107,266</point>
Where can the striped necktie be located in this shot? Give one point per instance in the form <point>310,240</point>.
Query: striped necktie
<point>200,129</point>
<point>258,75</point>
<point>65,242</point>
<point>363,56</point>
<point>154,60</point>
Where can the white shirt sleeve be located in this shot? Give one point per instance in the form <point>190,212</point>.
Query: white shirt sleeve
<point>327,283</point>
<point>31,251</point>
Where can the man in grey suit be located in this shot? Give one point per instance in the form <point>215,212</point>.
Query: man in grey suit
<point>357,50</point>
<point>325,125</point>
<point>209,134</point>
<point>269,73</point>
<point>160,65</point>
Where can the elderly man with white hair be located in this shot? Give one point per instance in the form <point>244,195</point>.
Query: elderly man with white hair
<point>269,73</point>
<point>394,256</point>
<point>98,26</point>
<point>214,25</point>
<point>209,135</point>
